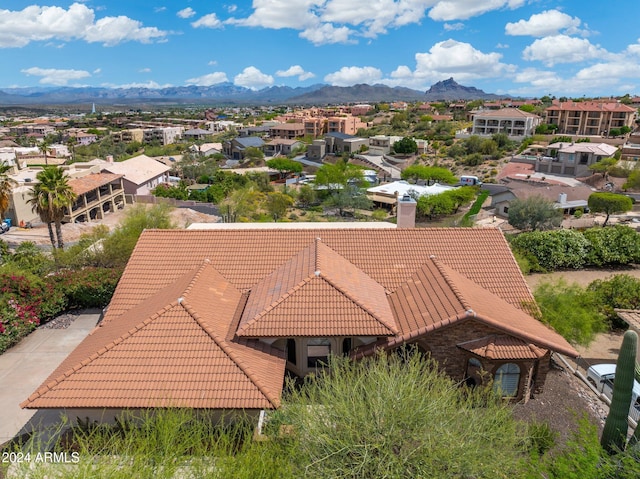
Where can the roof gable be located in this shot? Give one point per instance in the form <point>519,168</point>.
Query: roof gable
<point>176,356</point>
<point>317,293</point>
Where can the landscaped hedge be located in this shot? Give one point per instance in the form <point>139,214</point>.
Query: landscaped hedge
<point>563,249</point>
<point>27,300</point>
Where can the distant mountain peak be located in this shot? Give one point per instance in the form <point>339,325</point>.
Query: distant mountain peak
<point>451,90</point>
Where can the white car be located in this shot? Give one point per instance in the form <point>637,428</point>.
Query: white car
<point>601,376</point>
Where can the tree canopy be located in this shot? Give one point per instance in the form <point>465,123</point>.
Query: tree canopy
<point>609,204</point>
<point>429,173</point>
<point>285,165</point>
<point>534,213</point>
<point>406,146</point>
<point>335,176</point>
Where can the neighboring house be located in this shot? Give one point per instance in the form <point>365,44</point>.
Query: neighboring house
<point>141,174</point>
<point>281,146</point>
<point>97,194</point>
<point>593,118</point>
<point>317,150</point>
<point>631,148</point>
<point>388,193</point>
<point>128,136</point>
<point>216,318</point>
<point>566,198</point>
<point>573,159</point>
<point>196,134</point>
<point>165,135</point>
<point>339,143</point>
<point>517,124</point>
<point>235,149</point>
<point>206,149</point>
<point>83,138</point>
<point>289,131</point>
<point>382,144</point>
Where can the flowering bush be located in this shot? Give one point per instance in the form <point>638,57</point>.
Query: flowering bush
<point>16,321</point>
<point>86,288</point>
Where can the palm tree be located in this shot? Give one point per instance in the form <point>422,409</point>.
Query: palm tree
<point>49,198</point>
<point>6,188</point>
<point>44,149</point>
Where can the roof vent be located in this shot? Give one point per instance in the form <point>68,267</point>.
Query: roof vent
<point>433,256</point>
<point>180,300</point>
<point>470,312</point>
<point>317,272</point>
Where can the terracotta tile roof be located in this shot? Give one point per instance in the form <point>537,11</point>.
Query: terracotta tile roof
<point>390,257</point>
<point>503,347</point>
<point>175,356</point>
<point>437,296</point>
<point>610,106</point>
<point>317,293</point>
<point>91,182</point>
<point>182,324</point>
<point>630,316</point>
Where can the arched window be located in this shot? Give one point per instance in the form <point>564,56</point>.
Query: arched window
<point>507,379</point>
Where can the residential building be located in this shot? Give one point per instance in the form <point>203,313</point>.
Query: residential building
<point>631,148</point>
<point>128,136</point>
<point>281,146</point>
<point>573,159</point>
<point>360,110</point>
<point>382,144</point>
<point>317,150</point>
<point>141,174</point>
<point>288,131</point>
<point>387,194</point>
<point>235,149</point>
<point>517,124</point>
<point>315,127</point>
<point>339,143</point>
<point>566,198</point>
<point>97,194</point>
<point>348,125</point>
<point>590,118</point>
<point>165,135</point>
<point>214,318</point>
<point>196,134</point>
<point>206,149</point>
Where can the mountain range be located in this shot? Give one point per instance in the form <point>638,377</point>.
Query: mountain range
<point>229,94</point>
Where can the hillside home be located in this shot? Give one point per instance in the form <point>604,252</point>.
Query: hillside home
<point>281,146</point>
<point>235,149</point>
<point>593,118</point>
<point>573,159</point>
<point>215,318</point>
<point>517,124</point>
<point>141,174</point>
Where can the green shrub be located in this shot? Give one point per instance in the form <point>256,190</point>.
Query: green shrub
<point>612,245</point>
<point>570,310</point>
<point>554,249</point>
<point>88,287</point>
<point>620,291</point>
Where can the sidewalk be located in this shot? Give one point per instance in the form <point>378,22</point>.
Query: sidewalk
<point>24,368</point>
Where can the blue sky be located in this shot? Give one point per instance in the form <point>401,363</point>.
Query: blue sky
<point>518,47</point>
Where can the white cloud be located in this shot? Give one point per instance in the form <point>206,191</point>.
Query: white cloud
<point>550,22</point>
<point>212,63</point>
<point>35,23</point>
<point>159,9</point>
<point>144,70</point>
<point>342,21</point>
<point>453,26</point>
<point>231,8</point>
<point>208,21</point>
<point>186,12</point>
<point>448,10</point>
<point>347,76</point>
<point>208,79</point>
<point>253,78</point>
<point>562,49</point>
<point>54,76</point>
<point>327,33</point>
<point>295,71</point>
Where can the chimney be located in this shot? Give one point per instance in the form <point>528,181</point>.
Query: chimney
<point>406,212</point>
<point>562,198</point>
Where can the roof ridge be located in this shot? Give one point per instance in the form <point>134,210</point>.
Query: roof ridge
<point>196,277</point>
<point>108,347</point>
<point>454,287</point>
<point>277,302</point>
<point>391,327</point>
<point>221,343</point>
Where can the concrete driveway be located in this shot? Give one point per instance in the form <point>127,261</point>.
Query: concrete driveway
<point>24,368</point>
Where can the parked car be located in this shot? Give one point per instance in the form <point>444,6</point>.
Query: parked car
<point>602,376</point>
<point>4,227</point>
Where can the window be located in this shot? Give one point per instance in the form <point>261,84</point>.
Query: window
<point>346,346</point>
<point>507,379</point>
<point>318,351</point>
<point>291,350</point>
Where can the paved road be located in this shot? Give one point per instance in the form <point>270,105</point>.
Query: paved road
<point>25,366</point>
